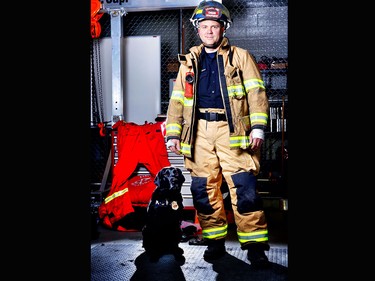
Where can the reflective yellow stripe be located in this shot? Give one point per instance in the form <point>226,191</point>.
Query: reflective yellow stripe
<point>115,195</point>
<point>258,118</point>
<point>173,128</point>
<point>178,95</point>
<point>255,236</point>
<point>253,83</point>
<point>236,91</point>
<point>188,102</point>
<point>186,149</point>
<point>239,141</point>
<point>215,232</point>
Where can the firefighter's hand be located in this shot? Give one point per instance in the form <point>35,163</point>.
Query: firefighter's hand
<point>256,139</point>
<point>256,144</point>
<point>174,146</point>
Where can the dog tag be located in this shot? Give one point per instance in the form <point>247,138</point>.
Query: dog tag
<point>174,205</point>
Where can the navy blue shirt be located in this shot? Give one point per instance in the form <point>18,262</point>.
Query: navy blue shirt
<point>208,83</point>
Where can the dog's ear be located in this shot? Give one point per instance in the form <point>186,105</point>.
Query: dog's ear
<point>180,176</point>
<point>161,176</point>
<point>158,177</point>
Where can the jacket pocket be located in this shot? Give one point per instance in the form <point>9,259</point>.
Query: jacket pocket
<point>234,84</point>
<point>245,123</point>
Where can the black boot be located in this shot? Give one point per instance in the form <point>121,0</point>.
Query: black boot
<point>256,255</point>
<point>215,249</point>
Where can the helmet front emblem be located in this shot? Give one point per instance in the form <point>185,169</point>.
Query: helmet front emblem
<point>211,12</point>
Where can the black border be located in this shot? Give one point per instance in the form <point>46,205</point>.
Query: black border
<point>47,74</point>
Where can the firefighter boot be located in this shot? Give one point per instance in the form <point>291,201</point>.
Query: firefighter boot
<point>256,255</point>
<point>215,249</point>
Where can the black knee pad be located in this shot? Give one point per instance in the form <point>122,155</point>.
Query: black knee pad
<point>200,196</point>
<point>247,198</point>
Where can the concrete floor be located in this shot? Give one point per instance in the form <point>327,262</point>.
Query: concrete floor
<point>117,255</point>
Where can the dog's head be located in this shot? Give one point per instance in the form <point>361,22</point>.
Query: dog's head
<point>168,181</point>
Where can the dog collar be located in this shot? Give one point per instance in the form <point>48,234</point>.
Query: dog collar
<point>174,204</point>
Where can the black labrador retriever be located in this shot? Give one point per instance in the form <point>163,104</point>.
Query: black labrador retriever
<point>162,231</point>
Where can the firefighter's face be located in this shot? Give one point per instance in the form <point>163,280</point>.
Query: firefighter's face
<point>210,32</point>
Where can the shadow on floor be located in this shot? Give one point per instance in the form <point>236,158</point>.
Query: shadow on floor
<point>165,269</point>
<point>227,268</point>
<point>232,268</point>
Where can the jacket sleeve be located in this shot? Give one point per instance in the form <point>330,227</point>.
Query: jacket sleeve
<point>176,108</point>
<point>255,89</point>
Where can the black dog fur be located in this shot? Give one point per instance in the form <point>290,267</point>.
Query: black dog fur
<point>162,231</point>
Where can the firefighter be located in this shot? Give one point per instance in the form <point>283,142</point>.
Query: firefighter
<point>216,118</point>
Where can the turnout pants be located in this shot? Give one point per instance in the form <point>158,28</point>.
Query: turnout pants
<point>212,160</point>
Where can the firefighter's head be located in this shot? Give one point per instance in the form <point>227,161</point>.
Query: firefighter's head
<point>211,19</point>
<point>211,10</point>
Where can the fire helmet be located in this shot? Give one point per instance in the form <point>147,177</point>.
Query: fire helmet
<point>211,10</point>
